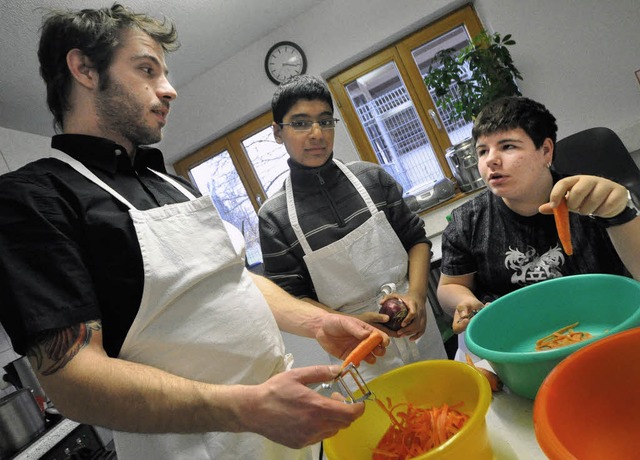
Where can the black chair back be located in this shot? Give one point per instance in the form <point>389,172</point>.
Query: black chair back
<point>598,152</point>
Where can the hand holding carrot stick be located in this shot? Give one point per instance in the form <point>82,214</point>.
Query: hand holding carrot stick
<point>561,215</point>
<point>340,335</point>
<point>586,195</point>
<point>363,350</point>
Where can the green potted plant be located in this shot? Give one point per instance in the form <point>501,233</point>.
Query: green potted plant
<point>483,71</point>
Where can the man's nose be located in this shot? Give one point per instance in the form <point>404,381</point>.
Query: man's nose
<point>166,90</point>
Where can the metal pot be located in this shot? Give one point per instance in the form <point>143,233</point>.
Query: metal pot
<point>21,421</point>
<point>21,375</point>
<point>463,162</point>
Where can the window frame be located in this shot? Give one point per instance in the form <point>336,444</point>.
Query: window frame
<point>232,143</point>
<point>400,53</point>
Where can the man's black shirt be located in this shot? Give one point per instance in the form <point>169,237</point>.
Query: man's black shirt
<point>69,252</point>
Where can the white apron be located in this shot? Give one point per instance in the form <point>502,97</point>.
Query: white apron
<point>201,317</point>
<point>349,273</point>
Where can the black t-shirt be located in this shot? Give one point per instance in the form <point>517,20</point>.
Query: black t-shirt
<point>69,252</point>
<point>507,251</point>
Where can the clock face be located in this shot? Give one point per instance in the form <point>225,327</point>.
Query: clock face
<point>284,60</point>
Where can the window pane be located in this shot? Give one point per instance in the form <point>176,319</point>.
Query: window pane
<point>269,159</point>
<point>217,177</point>
<point>457,129</point>
<point>393,127</point>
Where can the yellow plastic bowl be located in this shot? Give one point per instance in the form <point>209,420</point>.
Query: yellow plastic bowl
<point>425,384</point>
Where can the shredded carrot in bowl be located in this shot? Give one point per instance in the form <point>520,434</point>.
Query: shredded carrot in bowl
<point>415,431</point>
<point>561,338</point>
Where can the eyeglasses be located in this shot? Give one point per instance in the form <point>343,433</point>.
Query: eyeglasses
<point>307,125</point>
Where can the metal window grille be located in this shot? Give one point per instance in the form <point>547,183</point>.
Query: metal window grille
<point>398,138</point>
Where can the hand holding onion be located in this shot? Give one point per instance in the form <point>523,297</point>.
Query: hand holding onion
<point>396,310</point>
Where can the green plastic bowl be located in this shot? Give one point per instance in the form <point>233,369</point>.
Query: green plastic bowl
<point>505,332</point>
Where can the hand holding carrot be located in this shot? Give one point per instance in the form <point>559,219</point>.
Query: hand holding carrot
<point>340,335</point>
<point>363,350</point>
<point>588,195</point>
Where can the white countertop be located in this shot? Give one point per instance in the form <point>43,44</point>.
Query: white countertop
<point>510,426</point>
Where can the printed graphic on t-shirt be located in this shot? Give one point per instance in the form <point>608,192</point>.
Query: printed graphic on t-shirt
<point>528,267</point>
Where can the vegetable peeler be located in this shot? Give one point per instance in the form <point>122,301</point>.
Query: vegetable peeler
<point>350,371</point>
<point>349,368</point>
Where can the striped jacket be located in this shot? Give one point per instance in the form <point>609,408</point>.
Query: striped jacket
<point>328,208</point>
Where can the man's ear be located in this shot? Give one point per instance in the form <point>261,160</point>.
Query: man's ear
<point>82,69</point>
<point>277,129</point>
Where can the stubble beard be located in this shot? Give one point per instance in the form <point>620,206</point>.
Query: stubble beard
<point>120,113</point>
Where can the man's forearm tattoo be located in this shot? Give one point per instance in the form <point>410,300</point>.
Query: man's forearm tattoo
<point>61,345</point>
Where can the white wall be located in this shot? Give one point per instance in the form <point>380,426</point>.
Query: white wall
<point>333,34</point>
<point>18,148</point>
<point>577,56</point>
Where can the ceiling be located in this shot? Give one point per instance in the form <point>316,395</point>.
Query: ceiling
<point>210,32</point>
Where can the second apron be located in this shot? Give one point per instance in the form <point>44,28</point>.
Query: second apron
<point>201,317</point>
<point>349,273</point>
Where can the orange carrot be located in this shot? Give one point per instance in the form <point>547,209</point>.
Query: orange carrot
<point>494,381</point>
<point>561,215</point>
<point>362,350</point>
<point>561,338</point>
<point>416,430</point>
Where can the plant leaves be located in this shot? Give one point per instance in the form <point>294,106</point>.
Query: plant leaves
<point>482,71</point>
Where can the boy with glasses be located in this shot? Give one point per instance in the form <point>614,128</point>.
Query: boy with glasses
<point>337,233</point>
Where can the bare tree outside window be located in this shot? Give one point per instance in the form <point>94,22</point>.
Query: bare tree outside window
<point>218,178</point>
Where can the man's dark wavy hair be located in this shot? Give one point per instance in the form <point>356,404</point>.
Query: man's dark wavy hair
<point>507,113</point>
<point>97,34</point>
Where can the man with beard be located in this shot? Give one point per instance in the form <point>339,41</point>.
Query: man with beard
<point>128,293</point>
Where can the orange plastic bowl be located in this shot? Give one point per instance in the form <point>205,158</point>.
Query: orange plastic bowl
<point>588,407</point>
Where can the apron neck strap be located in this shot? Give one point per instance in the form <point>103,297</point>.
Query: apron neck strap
<point>175,183</point>
<point>86,172</point>
<point>82,169</point>
<point>291,206</point>
<point>293,216</point>
<point>359,187</point>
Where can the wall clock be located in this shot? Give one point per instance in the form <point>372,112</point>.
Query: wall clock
<point>284,60</point>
